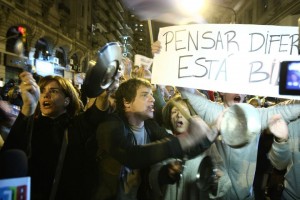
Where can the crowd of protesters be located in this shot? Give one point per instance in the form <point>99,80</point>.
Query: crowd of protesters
<point>136,140</point>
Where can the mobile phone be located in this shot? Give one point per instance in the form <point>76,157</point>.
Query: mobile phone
<point>289,78</point>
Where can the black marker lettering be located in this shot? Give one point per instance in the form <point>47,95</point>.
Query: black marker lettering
<point>184,67</point>
<point>282,44</point>
<point>257,71</point>
<point>266,43</point>
<point>272,40</point>
<point>254,41</point>
<point>223,65</point>
<point>294,43</point>
<point>205,37</point>
<point>202,66</point>
<point>178,40</point>
<point>231,40</point>
<point>170,40</point>
<point>190,39</point>
<point>219,40</point>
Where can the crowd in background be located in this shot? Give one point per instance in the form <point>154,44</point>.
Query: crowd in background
<point>145,141</point>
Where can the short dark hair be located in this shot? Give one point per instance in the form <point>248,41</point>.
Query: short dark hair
<point>127,91</point>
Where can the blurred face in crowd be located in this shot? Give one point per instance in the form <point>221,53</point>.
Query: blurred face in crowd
<point>255,102</point>
<point>127,68</point>
<point>179,122</point>
<point>53,101</point>
<point>169,92</point>
<point>134,71</point>
<point>143,104</point>
<point>230,99</point>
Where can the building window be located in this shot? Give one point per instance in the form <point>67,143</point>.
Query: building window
<point>42,50</point>
<point>74,62</point>
<point>61,55</point>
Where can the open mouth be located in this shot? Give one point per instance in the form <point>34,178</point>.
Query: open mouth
<point>179,123</point>
<point>151,108</point>
<point>46,104</point>
<point>237,99</point>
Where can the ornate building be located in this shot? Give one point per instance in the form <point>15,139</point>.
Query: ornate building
<point>57,37</point>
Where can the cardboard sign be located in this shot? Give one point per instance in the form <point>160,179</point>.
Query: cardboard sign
<point>140,60</point>
<point>243,59</point>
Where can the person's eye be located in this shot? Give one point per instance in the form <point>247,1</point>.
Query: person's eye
<point>174,112</point>
<point>53,91</point>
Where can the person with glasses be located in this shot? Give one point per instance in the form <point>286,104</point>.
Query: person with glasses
<point>54,132</point>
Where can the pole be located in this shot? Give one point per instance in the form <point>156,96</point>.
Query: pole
<point>150,31</point>
<point>229,8</point>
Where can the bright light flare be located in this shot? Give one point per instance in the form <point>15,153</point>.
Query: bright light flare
<point>189,7</point>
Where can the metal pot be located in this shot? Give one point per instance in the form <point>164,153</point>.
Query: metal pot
<point>100,75</point>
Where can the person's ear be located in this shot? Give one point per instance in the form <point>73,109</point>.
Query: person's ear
<point>126,103</point>
<point>67,101</point>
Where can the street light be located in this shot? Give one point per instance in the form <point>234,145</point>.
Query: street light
<point>189,7</point>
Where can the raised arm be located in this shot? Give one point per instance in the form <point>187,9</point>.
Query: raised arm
<point>30,93</point>
<point>280,153</point>
<point>289,110</point>
<point>206,109</point>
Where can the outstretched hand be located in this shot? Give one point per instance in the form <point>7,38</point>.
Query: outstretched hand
<point>278,127</point>
<point>30,93</point>
<point>175,169</point>
<point>156,47</point>
<point>198,132</point>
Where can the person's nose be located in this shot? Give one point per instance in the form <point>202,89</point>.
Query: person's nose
<point>152,98</point>
<point>179,115</point>
<point>46,94</point>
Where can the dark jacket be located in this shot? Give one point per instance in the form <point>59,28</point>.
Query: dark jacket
<point>42,142</point>
<point>116,148</point>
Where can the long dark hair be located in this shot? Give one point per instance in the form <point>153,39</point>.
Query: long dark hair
<point>167,110</point>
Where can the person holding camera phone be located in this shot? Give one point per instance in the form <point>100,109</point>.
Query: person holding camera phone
<point>54,133</point>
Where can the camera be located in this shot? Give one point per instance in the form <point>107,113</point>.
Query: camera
<point>289,79</point>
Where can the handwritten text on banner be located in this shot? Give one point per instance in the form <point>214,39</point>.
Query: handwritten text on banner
<point>229,58</point>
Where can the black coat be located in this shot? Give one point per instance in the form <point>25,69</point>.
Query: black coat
<point>117,148</point>
<point>78,174</point>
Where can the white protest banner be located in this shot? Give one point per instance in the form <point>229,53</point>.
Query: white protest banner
<point>243,59</point>
<point>140,60</point>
